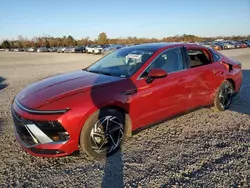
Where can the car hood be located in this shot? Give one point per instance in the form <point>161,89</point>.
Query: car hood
<point>60,86</point>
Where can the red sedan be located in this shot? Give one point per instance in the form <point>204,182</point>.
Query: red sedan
<point>129,89</point>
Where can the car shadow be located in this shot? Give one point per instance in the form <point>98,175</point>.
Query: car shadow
<point>2,85</point>
<point>113,172</point>
<point>241,103</point>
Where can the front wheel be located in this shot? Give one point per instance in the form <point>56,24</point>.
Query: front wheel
<point>103,133</point>
<point>224,96</point>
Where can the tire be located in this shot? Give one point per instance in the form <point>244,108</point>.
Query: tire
<point>225,87</point>
<point>90,139</point>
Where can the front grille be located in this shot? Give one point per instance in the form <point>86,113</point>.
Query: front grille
<point>21,130</point>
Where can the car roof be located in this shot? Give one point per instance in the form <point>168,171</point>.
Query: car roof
<point>156,46</point>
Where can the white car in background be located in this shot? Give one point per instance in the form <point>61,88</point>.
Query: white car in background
<point>32,49</point>
<point>229,46</point>
<point>60,49</point>
<point>42,49</point>
<point>94,49</point>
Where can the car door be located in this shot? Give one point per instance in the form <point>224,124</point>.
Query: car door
<point>206,74</point>
<point>164,97</point>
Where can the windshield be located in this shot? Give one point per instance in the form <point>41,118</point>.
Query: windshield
<point>122,63</point>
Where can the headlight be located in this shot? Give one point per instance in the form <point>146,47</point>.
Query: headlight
<point>53,129</point>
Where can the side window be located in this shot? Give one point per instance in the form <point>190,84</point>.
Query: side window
<point>171,61</point>
<point>216,57</point>
<point>198,58</point>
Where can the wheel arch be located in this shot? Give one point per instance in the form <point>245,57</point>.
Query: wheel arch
<point>232,82</point>
<point>128,121</point>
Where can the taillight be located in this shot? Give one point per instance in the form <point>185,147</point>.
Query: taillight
<point>230,67</point>
<point>227,66</point>
<point>237,66</point>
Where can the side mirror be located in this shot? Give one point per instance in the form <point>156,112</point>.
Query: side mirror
<point>156,73</point>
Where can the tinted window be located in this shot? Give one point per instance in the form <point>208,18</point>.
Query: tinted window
<point>171,61</point>
<point>216,57</point>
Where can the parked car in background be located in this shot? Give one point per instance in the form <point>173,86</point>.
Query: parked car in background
<point>43,49</point>
<point>94,49</point>
<point>80,49</point>
<point>206,44</point>
<point>235,44</point>
<point>246,42</point>
<point>242,44</point>
<point>70,49</point>
<point>60,49</point>
<point>96,108</point>
<point>110,48</point>
<point>52,49</point>
<point>89,48</point>
<point>221,44</point>
<point>32,49</point>
<point>229,45</point>
<point>216,46</point>
<point>18,50</point>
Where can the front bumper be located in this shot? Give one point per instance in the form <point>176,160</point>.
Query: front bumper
<point>238,83</point>
<point>40,141</point>
<point>98,51</point>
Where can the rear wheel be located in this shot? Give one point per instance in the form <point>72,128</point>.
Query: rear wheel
<point>224,96</point>
<point>103,133</point>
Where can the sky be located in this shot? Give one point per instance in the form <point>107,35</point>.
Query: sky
<point>123,18</point>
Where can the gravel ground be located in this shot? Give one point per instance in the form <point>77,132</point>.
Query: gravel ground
<point>199,149</point>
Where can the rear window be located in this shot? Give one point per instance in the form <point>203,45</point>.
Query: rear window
<point>216,56</point>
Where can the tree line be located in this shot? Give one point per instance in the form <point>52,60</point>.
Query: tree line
<point>102,39</point>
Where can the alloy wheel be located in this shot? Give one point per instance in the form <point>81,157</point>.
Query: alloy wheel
<point>106,135</point>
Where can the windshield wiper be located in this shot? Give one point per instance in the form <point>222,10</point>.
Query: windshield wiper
<point>99,72</point>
